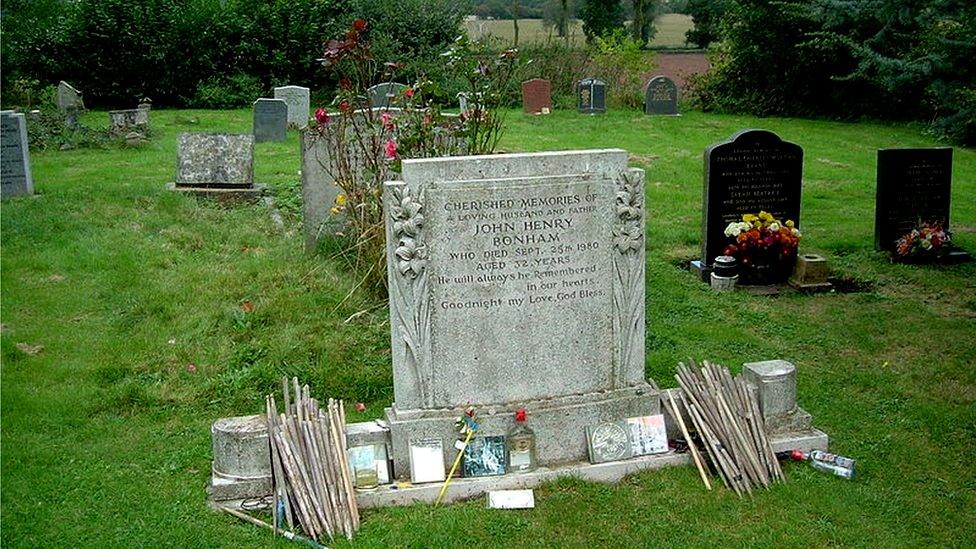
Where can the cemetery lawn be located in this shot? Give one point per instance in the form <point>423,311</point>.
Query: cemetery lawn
<point>124,336</point>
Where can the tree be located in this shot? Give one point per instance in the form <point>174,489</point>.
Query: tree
<point>556,14</point>
<point>515,18</point>
<point>707,16</point>
<point>642,22</point>
<point>601,17</point>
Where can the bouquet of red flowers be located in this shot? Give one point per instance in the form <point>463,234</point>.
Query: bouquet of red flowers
<point>761,241</point>
<point>927,239</point>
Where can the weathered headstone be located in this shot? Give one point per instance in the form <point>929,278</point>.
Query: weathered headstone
<point>15,166</point>
<point>517,280</point>
<point>912,185</point>
<point>661,96</point>
<point>753,171</point>
<point>319,189</point>
<point>124,121</point>
<point>270,120</point>
<point>216,165</point>
<point>299,104</point>
<point>382,95</point>
<point>536,95</point>
<point>462,101</point>
<point>70,103</point>
<point>592,96</point>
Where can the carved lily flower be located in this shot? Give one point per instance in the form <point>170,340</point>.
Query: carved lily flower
<point>628,203</point>
<point>411,258</point>
<point>628,237</point>
<point>407,218</point>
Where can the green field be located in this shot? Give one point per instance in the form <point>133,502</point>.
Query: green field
<point>106,431</point>
<point>671,30</point>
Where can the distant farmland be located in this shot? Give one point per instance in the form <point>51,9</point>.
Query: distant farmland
<point>671,30</point>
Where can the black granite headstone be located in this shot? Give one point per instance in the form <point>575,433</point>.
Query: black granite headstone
<point>753,171</point>
<point>270,120</point>
<point>592,96</point>
<point>913,186</point>
<point>661,96</point>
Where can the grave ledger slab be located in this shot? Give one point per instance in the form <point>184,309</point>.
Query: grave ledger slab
<point>517,280</point>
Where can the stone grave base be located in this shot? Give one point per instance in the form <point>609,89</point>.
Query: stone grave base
<point>222,195</point>
<point>223,488</point>
<point>559,423</point>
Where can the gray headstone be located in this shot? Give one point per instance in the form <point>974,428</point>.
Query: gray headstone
<point>753,171</point>
<point>913,185</point>
<point>661,96</point>
<point>215,160</point>
<point>518,278</point>
<point>299,104</point>
<point>383,95</point>
<point>270,120</point>
<point>462,101</point>
<point>124,121</point>
<point>68,97</point>
<point>592,96</point>
<point>15,167</point>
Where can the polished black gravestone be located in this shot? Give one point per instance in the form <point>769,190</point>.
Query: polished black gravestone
<point>592,96</point>
<point>661,97</point>
<point>753,171</point>
<point>913,185</point>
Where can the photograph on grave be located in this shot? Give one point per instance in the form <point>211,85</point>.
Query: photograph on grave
<point>536,96</point>
<point>299,104</point>
<point>912,203</point>
<point>591,96</point>
<point>15,164</point>
<point>754,177</point>
<point>523,267</point>
<point>427,460</point>
<point>661,97</point>
<point>484,456</point>
<point>270,120</point>
<point>647,435</point>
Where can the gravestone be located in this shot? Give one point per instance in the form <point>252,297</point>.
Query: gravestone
<point>270,120</point>
<point>536,96</point>
<point>661,96</point>
<point>912,185</point>
<point>516,280</point>
<point>124,121</point>
<point>382,95</point>
<point>319,189</point>
<point>462,101</point>
<point>753,171</point>
<point>592,96</point>
<point>70,103</point>
<point>299,104</point>
<point>15,166</point>
<point>216,165</point>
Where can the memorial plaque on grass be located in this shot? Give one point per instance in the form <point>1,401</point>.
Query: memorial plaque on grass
<point>517,279</point>
<point>592,96</point>
<point>15,167</point>
<point>299,104</point>
<point>661,96</point>
<point>913,186</point>
<point>536,95</point>
<point>270,120</point>
<point>753,171</point>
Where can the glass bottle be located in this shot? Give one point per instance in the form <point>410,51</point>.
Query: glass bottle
<point>521,445</point>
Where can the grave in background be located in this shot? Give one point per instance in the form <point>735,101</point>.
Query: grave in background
<point>270,120</point>
<point>216,165</point>
<point>15,167</point>
<point>299,104</point>
<point>69,103</point>
<point>661,97</point>
<point>382,95</point>
<point>536,96</point>
<point>592,96</point>
<point>516,280</point>
<point>124,121</point>
<point>753,171</point>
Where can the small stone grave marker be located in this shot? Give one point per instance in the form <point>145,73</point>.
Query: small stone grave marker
<point>592,96</point>
<point>124,121</point>
<point>70,103</point>
<point>912,185</point>
<point>536,96</point>
<point>517,280</point>
<point>299,104</point>
<point>661,96</point>
<point>382,95</point>
<point>270,120</point>
<point>753,171</point>
<point>15,166</point>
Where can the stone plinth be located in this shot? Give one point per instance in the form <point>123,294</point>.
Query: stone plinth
<point>776,383</point>
<point>241,458</point>
<point>810,273</point>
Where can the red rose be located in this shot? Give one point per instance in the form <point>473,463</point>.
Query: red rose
<point>359,25</point>
<point>321,116</point>
<point>408,93</point>
<point>345,107</point>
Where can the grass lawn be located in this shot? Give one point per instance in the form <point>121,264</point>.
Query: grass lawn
<point>671,29</point>
<point>106,437</point>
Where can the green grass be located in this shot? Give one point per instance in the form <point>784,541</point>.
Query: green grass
<point>106,434</point>
<point>671,30</point>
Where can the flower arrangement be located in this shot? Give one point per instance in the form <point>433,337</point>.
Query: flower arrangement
<point>927,239</point>
<point>762,242</point>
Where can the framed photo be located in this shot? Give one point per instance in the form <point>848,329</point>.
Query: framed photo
<point>648,435</point>
<point>484,457</point>
<point>370,465</point>
<point>427,460</point>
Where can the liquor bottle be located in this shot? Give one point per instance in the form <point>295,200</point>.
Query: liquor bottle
<point>521,445</point>
<point>830,463</point>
